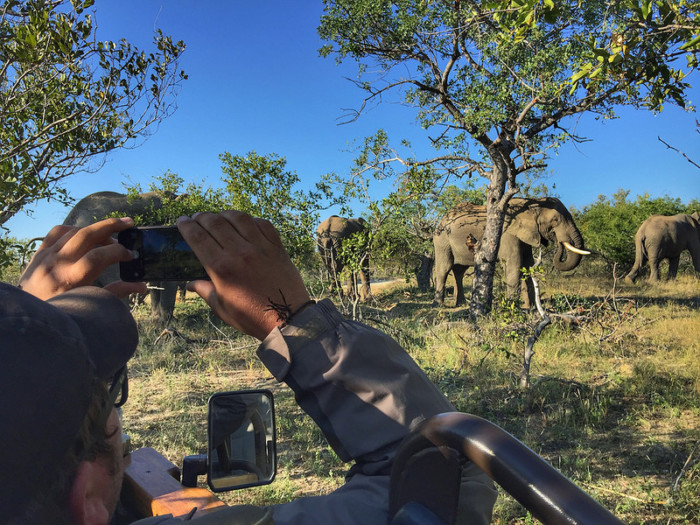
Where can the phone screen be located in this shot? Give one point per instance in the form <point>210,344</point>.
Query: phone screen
<point>161,254</point>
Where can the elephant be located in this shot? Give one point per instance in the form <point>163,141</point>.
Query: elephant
<point>329,237</point>
<point>98,205</point>
<point>529,222</point>
<point>666,237</point>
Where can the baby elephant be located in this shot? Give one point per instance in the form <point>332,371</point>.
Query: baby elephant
<point>663,237</point>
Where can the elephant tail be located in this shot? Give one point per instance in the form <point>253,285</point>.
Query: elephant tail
<point>640,255</point>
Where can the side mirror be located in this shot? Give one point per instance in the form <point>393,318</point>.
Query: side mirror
<point>242,441</point>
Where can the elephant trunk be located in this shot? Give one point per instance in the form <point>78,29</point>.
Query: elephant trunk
<point>565,259</point>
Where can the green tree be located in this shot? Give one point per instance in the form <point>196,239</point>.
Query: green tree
<point>67,98</point>
<point>177,199</point>
<point>609,225</point>
<point>16,254</point>
<point>494,82</point>
<point>263,187</point>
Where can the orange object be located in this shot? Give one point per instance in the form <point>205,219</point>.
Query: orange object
<point>152,488</point>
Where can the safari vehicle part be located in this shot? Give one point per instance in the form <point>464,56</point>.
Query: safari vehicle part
<point>241,444</point>
<point>241,453</point>
<point>242,441</point>
<point>425,478</point>
<point>429,456</point>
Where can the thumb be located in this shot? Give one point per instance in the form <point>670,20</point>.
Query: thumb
<point>205,289</point>
<point>123,289</point>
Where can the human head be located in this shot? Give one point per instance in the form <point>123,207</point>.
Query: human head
<point>56,358</point>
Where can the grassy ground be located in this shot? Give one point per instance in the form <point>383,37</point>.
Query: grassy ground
<point>614,400</point>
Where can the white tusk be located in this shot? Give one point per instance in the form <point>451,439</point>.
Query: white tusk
<point>575,250</point>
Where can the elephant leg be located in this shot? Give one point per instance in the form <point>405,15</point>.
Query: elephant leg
<point>528,291</point>
<point>352,285</point>
<point>512,276</point>
<point>443,265</point>
<point>673,266</point>
<point>458,270</point>
<point>638,264</point>
<point>163,301</point>
<point>365,290</point>
<point>695,256</point>
<point>654,263</point>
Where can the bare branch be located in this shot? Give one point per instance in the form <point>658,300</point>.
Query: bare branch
<point>679,151</point>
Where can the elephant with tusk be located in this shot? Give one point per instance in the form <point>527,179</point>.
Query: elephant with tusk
<point>666,237</point>
<point>528,223</point>
<point>97,206</point>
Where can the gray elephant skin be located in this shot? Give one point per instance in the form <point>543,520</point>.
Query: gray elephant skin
<point>666,237</point>
<point>528,223</point>
<point>329,237</point>
<point>95,207</point>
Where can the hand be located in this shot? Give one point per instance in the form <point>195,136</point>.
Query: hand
<point>252,277</point>
<point>70,257</point>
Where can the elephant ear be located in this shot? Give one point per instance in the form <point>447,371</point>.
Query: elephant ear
<point>524,226</point>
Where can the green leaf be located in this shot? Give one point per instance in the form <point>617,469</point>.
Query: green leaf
<point>582,73</point>
<point>692,43</point>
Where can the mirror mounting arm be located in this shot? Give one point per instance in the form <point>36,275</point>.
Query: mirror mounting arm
<point>193,466</point>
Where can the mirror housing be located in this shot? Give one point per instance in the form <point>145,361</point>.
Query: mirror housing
<point>242,449</point>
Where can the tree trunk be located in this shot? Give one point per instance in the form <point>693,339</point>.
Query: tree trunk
<point>425,272</point>
<point>486,256</point>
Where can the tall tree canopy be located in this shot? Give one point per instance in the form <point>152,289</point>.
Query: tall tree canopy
<point>66,97</point>
<point>494,81</point>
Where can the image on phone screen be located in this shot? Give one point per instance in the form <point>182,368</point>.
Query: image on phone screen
<point>161,255</point>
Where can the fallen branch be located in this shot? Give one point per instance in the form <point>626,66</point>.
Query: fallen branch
<point>685,467</point>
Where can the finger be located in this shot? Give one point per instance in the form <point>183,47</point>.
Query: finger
<point>205,289</point>
<point>244,224</point>
<point>197,233</point>
<point>104,256</point>
<point>54,235</point>
<point>98,234</point>
<point>58,237</point>
<point>86,269</point>
<point>123,289</point>
<point>222,228</point>
<point>269,231</point>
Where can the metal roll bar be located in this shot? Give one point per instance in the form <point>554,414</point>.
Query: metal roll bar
<point>539,487</point>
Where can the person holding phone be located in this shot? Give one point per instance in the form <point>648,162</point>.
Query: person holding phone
<point>361,388</point>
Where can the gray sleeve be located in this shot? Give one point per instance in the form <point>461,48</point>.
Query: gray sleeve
<point>361,388</point>
<point>365,393</point>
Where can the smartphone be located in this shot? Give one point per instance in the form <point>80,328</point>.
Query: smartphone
<point>160,254</point>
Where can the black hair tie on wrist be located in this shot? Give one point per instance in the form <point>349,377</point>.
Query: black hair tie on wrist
<point>302,307</point>
<point>283,310</point>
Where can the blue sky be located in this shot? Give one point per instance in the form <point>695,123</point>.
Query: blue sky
<point>256,82</point>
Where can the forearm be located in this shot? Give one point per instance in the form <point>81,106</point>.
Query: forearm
<point>361,388</point>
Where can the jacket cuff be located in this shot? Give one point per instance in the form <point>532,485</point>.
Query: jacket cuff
<point>281,344</point>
